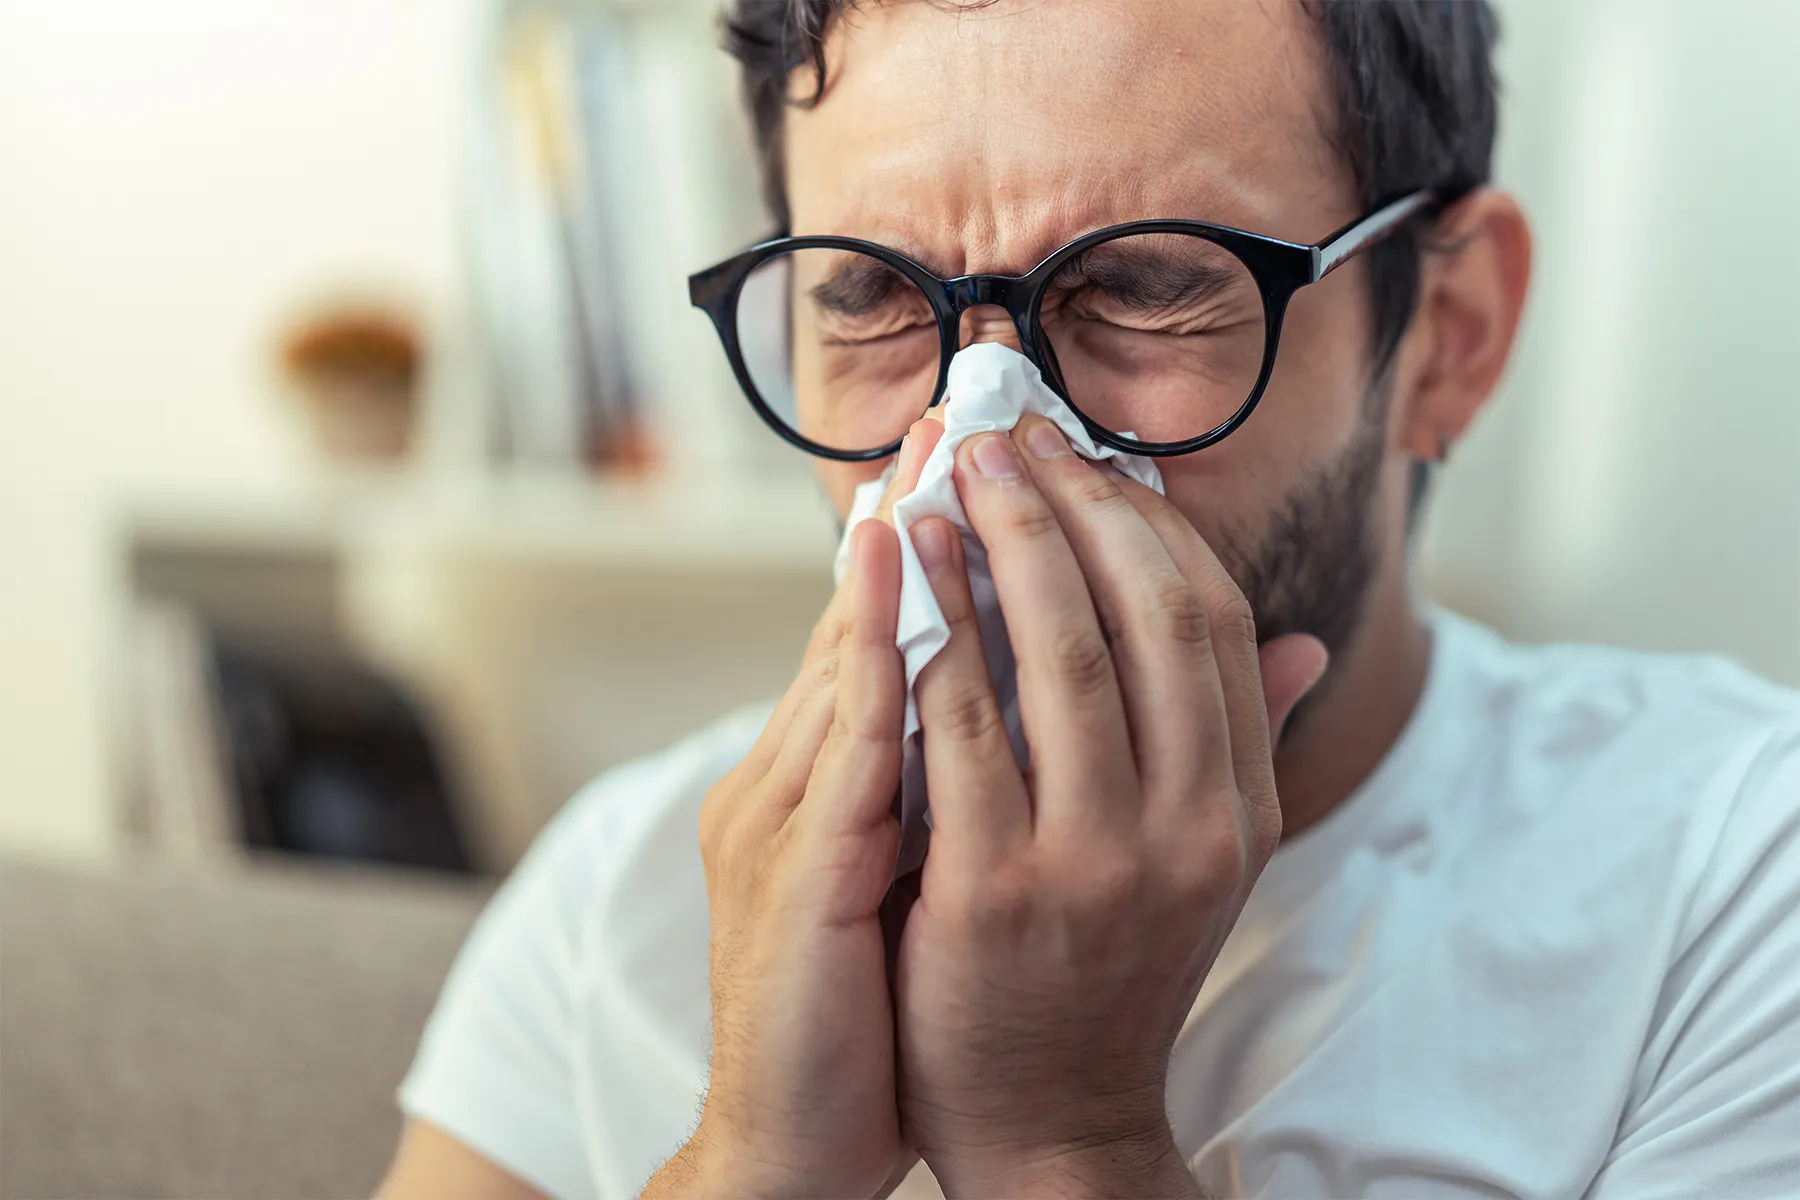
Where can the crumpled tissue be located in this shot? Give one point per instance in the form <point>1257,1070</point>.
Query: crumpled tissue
<point>990,386</point>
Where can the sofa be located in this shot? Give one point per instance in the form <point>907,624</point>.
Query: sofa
<point>230,1033</point>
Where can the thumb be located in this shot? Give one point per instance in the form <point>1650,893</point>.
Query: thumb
<point>1291,665</point>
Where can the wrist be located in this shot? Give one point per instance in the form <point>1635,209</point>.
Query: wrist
<point>1143,1164</point>
<point>724,1162</point>
<point>711,1165</point>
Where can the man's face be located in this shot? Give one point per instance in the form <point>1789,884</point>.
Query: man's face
<point>981,140</point>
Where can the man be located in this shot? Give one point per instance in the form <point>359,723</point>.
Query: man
<point>1530,927</point>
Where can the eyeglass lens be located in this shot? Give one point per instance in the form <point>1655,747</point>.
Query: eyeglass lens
<point>1155,336</point>
<point>840,346</point>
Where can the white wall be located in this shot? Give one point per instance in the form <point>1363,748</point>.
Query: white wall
<point>175,177</point>
<point>1638,478</point>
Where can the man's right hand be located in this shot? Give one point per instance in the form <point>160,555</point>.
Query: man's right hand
<point>799,842</point>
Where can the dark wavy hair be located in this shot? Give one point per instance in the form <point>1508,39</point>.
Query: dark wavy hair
<point>1412,81</point>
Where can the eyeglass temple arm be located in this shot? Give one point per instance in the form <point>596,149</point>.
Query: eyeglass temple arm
<point>1332,253</point>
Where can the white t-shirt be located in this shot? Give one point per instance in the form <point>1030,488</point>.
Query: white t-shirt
<point>1551,947</point>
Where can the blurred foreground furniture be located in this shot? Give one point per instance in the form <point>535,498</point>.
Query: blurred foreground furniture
<point>547,629</point>
<point>226,1034</point>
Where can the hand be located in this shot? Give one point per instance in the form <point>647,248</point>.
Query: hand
<point>1068,915</point>
<point>799,842</point>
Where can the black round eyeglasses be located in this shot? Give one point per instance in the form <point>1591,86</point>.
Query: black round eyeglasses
<point>1160,335</point>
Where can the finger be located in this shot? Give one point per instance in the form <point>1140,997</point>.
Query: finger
<point>1292,666</point>
<point>781,761</point>
<point>1153,615</point>
<point>818,666</point>
<point>792,763</point>
<point>811,690</point>
<point>979,803</point>
<point>1069,697</point>
<point>1234,644</point>
<point>915,448</point>
<point>798,727</point>
<point>920,440</point>
<point>857,771</point>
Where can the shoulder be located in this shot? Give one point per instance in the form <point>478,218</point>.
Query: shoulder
<point>1608,690</point>
<point>629,843</point>
<point>630,809</point>
<point>588,964</point>
<point>630,830</point>
<point>1660,734</point>
<point>1647,786</point>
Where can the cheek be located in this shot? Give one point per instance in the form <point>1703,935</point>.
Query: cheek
<point>840,480</point>
<point>1309,414</point>
<point>1314,401</point>
<point>1228,504</point>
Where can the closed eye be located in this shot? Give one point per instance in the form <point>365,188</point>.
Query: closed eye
<point>1159,282</point>
<point>860,285</point>
<point>864,300</point>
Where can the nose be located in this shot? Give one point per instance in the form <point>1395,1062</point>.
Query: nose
<point>987,323</point>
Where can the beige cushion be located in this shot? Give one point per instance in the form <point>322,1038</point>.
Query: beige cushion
<point>236,1035</point>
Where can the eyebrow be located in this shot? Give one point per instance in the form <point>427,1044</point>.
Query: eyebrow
<point>1136,276</point>
<point>859,286</point>
<point>1145,279</point>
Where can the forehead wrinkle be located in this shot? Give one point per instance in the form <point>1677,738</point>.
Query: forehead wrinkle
<point>1012,237</point>
<point>1007,239</point>
<point>916,143</point>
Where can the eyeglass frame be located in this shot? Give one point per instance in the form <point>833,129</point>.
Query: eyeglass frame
<point>1280,268</point>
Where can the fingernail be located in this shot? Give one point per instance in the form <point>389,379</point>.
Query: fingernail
<point>1046,440</point>
<point>932,540</point>
<point>903,458</point>
<point>994,457</point>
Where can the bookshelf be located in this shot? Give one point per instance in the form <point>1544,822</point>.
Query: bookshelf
<point>741,522</point>
<point>551,625</point>
<point>553,607</point>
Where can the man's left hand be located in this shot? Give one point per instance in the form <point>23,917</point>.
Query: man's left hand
<point>1068,914</point>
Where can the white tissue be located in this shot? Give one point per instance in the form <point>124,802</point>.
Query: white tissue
<point>990,387</point>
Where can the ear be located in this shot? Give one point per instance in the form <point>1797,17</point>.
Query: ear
<point>1473,277</point>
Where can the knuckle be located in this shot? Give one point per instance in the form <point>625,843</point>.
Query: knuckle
<point>1030,519</point>
<point>853,726</point>
<point>965,627</point>
<point>1216,862</point>
<point>1262,822</point>
<point>1178,614</point>
<point>1235,617</point>
<point>709,824</point>
<point>966,712</point>
<point>868,631</point>
<point>1114,627</point>
<point>1095,491</point>
<point>829,632</point>
<point>1265,833</point>
<point>1157,508</point>
<point>1081,660</point>
<point>721,803</point>
<point>732,849</point>
<point>845,730</point>
<point>1001,899</point>
<point>1111,881</point>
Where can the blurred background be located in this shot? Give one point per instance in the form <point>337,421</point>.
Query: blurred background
<point>366,483</point>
